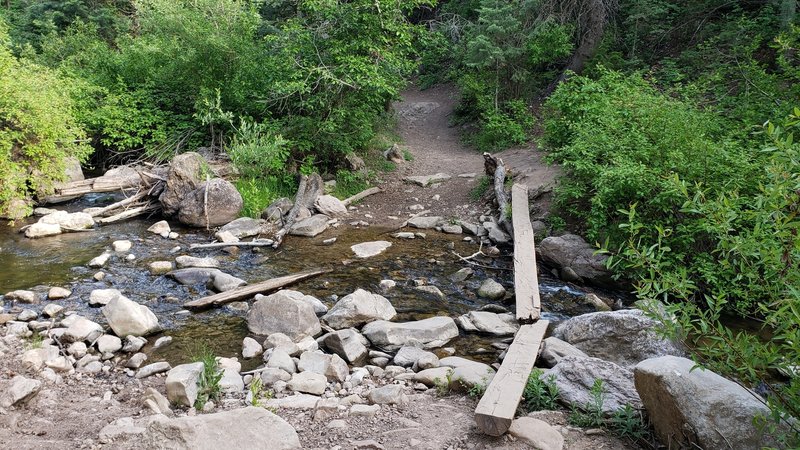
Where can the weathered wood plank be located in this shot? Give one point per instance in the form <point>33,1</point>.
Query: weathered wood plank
<point>526,279</point>
<point>253,289</point>
<point>499,403</point>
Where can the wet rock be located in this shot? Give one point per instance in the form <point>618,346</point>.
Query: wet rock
<point>133,344</point>
<point>696,408</point>
<point>425,222</point>
<point>251,348</point>
<point>108,344</point>
<point>347,343</point>
<point>82,329</point>
<point>359,308</point>
<point>426,180</point>
<point>491,323</point>
<point>391,394</point>
<point>21,296</point>
<point>127,317</point>
<point>160,228</point>
<point>243,227</point>
<point>308,382</point>
<point>193,276</point>
<point>214,203</point>
<point>536,433</point>
<point>429,333</point>
<point>432,291</point>
<point>58,293</point>
<point>99,261</point>
<point>69,221</point>
<point>575,376</point>
<point>121,246</point>
<point>160,267</point>
<point>19,391</point>
<point>249,427</point>
<point>152,369</point>
<point>370,249</point>
<point>330,206</point>
<point>182,383</point>
<point>311,226</point>
<point>223,282</point>
<point>624,337</point>
<point>463,275</point>
<point>554,350</point>
<point>185,261</point>
<point>387,285</point>
<point>52,310</point>
<point>101,297</point>
<point>162,342</point>
<point>492,290</point>
<point>136,361</point>
<point>40,230</point>
<point>281,313</point>
<point>319,307</point>
<point>571,251</point>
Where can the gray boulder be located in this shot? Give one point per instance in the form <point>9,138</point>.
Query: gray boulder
<point>18,391</point>
<point>311,226</point>
<point>277,209</point>
<point>425,222</point>
<point>244,227</point>
<point>349,344</point>
<point>127,317</point>
<point>184,175</point>
<point>359,308</point>
<point>314,302</point>
<point>429,333</point>
<point>491,323</point>
<point>575,377</point>
<point>698,408</point>
<point>370,249</point>
<point>570,252</point>
<point>624,337</point>
<point>491,289</point>
<point>281,313</point>
<point>554,350</point>
<point>215,202</point>
<point>182,382</point>
<point>330,206</point>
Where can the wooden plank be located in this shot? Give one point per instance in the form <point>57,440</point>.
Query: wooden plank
<point>526,279</point>
<point>253,289</point>
<point>499,403</point>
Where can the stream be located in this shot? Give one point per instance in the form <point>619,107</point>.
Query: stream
<point>61,261</point>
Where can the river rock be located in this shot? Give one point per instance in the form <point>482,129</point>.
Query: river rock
<point>52,310</point>
<point>624,337</point>
<point>82,329</point>
<point>223,282</point>
<point>571,251</point>
<point>424,222</point>
<point>133,344</point>
<point>108,344</point>
<point>27,315</point>
<point>121,246</point>
<point>391,394</point>
<point>193,276</point>
<point>231,380</point>
<point>359,308</point>
<point>432,291</point>
<point>251,348</point>
<point>308,382</point>
<point>370,249</point>
<point>281,313</point>
<point>330,206</point>
<point>575,376</point>
<point>277,209</point>
<point>214,203</point>
<point>429,333</point>
<point>18,391</point>
<point>101,297</point>
<point>40,230</point>
<point>99,261</point>
<point>467,373</point>
<point>21,296</point>
<point>349,344</point>
<point>185,261</point>
<point>426,180</point>
<point>496,324</point>
<point>280,341</point>
<point>181,383</point>
<point>69,221</point>
<point>314,302</point>
<point>270,375</point>
<point>136,361</point>
<point>20,329</point>
<point>554,350</point>
<point>160,228</point>
<point>33,360</point>
<point>244,227</point>
<point>59,364</point>
<point>696,408</point>
<point>152,369</point>
<point>536,433</point>
<point>127,317</point>
<point>184,176</point>
<point>311,226</point>
<point>431,377</point>
<point>279,359</point>
<point>332,366</point>
<point>496,234</point>
<point>160,267</point>
<point>249,427</point>
<point>58,293</point>
<point>491,289</point>
<point>408,355</point>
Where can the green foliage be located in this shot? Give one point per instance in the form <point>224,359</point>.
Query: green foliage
<point>443,386</point>
<point>477,390</point>
<point>407,155</point>
<point>258,193</point>
<point>38,130</point>
<point>350,183</point>
<point>484,184</point>
<point>34,342</point>
<point>590,415</point>
<point>258,393</point>
<point>540,394</point>
<point>208,387</point>
<point>628,422</point>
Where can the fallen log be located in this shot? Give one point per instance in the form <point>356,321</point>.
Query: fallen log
<point>499,175</point>
<point>259,243</point>
<point>361,195</point>
<point>130,213</point>
<point>120,204</point>
<point>253,289</point>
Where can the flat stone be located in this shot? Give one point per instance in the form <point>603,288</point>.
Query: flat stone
<point>160,267</point>
<point>308,382</point>
<point>21,296</point>
<point>19,390</point>
<point>425,222</point>
<point>370,249</point>
<point>100,261</point>
<point>359,308</point>
<point>432,291</point>
<point>426,180</point>
<point>536,433</point>
<point>184,261</point>
<point>160,228</point>
<point>491,323</point>
<point>121,246</point>
<point>241,228</point>
<point>58,293</point>
<point>101,297</point>
<point>136,361</point>
<point>311,226</point>
<point>182,383</point>
<point>152,369</point>
<point>431,377</point>
<point>367,411</point>
<point>429,333</point>
<point>40,230</point>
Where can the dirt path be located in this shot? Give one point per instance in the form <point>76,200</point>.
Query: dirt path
<point>424,126</point>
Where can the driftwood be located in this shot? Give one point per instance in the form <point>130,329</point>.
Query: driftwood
<point>495,168</point>
<point>105,183</point>
<point>287,226</point>
<point>120,204</point>
<point>363,194</point>
<point>249,291</point>
<point>130,213</point>
<point>259,243</point>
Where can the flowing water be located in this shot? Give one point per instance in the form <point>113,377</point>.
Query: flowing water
<point>61,261</point>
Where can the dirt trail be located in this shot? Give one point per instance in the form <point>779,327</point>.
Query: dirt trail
<point>424,126</point>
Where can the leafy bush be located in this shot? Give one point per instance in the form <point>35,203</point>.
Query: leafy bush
<point>540,394</point>
<point>208,387</point>
<point>37,128</point>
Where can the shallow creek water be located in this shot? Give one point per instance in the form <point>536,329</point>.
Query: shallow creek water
<point>61,261</point>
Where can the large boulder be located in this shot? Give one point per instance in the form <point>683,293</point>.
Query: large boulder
<point>127,317</point>
<point>282,313</point>
<point>214,203</point>
<point>554,350</point>
<point>184,175</point>
<point>315,303</point>
<point>491,323</point>
<point>698,408</point>
<point>310,226</point>
<point>573,255</point>
<point>249,427</point>
<point>575,377</point>
<point>432,332</point>
<point>330,206</point>
<point>624,337</point>
<point>182,383</point>
<point>358,308</point>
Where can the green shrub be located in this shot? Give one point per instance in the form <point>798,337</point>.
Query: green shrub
<point>208,387</point>
<point>350,183</point>
<point>540,394</point>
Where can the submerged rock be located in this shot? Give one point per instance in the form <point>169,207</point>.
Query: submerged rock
<point>370,249</point>
<point>491,289</point>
